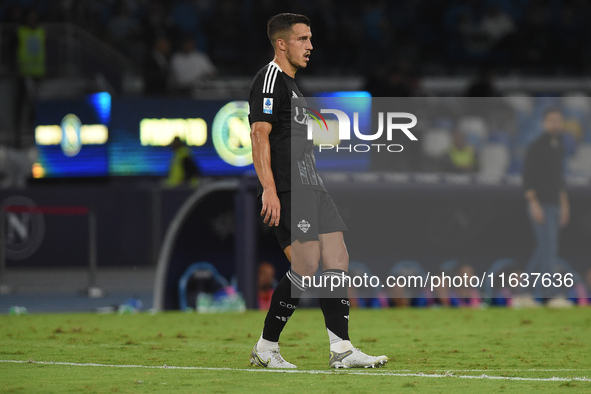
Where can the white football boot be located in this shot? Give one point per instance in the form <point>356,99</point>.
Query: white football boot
<point>268,359</point>
<point>355,358</point>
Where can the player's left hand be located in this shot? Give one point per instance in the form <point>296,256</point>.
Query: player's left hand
<point>271,208</point>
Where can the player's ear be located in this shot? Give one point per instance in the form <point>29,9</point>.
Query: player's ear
<point>280,44</point>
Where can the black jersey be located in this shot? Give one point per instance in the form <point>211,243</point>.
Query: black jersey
<point>543,168</point>
<point>273,94</point>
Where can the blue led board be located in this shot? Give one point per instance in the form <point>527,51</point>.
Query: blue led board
<point>142,128</point>
<point>98,135</point>
<point>71,136</point>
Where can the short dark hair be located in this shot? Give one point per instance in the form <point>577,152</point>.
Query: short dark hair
<point>283,22</point>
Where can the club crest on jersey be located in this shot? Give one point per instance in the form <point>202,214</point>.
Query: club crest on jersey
<point>267,105</point>
<point>304,226</point>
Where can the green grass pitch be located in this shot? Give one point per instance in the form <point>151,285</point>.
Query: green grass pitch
<point>433,350</point>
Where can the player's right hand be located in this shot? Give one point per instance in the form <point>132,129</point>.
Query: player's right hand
<point>271,208</point>
<point>537,213</point>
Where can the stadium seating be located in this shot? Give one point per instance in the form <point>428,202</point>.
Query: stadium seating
<point>580,162</point>
<point>494,160</point>
<point>436,142</point>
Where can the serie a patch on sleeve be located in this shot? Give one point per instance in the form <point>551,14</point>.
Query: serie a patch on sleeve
<point>267,105</point>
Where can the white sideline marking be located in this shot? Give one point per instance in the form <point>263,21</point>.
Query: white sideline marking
<point>448,373</point>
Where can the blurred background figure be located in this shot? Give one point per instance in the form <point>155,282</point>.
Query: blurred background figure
<point>157,68</point>
<point>183,168</point>
<point>460,296</point>
<point>587,284</point>
<point>30,55</point>
<point>411,294</point>
<point>546,194</point>
<point>265,285</point>
<point>460,157</point>
<point>496,25</point>
<point>15,166</point>
<point>190,67</point>
<point>466,296</point>
<point>365,297</point>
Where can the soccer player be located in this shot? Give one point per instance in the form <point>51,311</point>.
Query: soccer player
<point>316,234</point>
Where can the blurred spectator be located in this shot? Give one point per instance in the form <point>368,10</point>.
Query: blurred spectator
<point>460,157</point>
<point>463,296</point>
<point>546,194</point>
<point>587,285</point>
<point>31,46</point>
<point>15,166</point>
<point>466,296</point>
<point>364,296</point>
<point>473,39</point>
<point>30,55</point>
<point>265,285</point>
<point>157,68</point>
<point>496,24</point>
<point>409,295</point>
<point>518,297</point>
<point>190,67</point>
<point>183,169</point>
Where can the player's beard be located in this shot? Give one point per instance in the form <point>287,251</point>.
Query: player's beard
<point>301,64</point>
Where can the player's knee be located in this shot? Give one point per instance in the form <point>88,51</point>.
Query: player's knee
<point>337,260</point>
<point>305,258</point>
<point>306,267</point>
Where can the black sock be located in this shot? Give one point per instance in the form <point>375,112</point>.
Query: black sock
<point>285,300</point>
<point>335,305</point>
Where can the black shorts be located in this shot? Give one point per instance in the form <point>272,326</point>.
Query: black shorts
<point>305,214</point>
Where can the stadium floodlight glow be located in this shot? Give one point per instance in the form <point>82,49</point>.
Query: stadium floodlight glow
<point>231,134</point>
